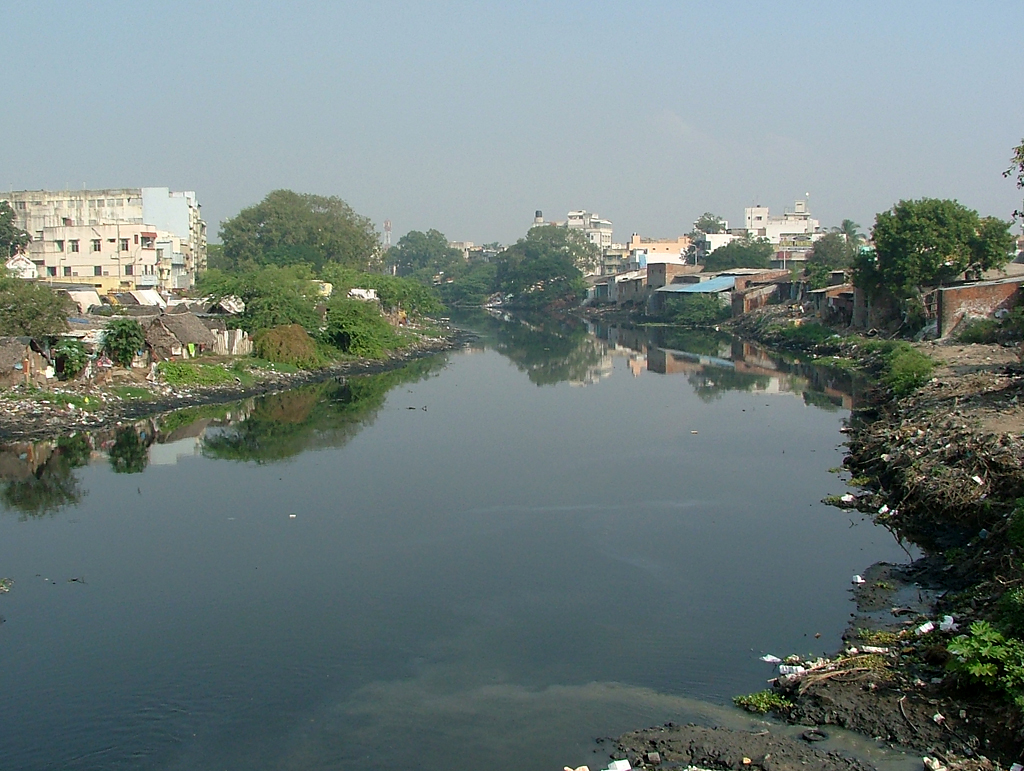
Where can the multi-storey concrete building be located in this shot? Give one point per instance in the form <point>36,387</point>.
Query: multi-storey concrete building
<point>792,224</point>
<point>131,237</point>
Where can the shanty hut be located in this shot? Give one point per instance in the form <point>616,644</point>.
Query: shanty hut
<point>19,363</point>
<point>178,335</point>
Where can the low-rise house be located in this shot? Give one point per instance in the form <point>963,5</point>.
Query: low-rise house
<point>178,336</point>
<point>21,362</point>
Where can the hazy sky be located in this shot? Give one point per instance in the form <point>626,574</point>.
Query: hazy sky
<point>467,116</point>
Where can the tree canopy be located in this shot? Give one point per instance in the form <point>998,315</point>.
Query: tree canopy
<point>287,228</point>
<point>13,239</point>
<point>423,255</point>
<point>833,250</point>
<point>1016,169</point>
<point>28,308</point>
<point>928,242</point>
<point>744,252</point>
<point>541,270</point>
<point>709,223</point>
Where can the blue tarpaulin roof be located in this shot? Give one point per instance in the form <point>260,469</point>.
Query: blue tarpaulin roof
<point>716,284</point>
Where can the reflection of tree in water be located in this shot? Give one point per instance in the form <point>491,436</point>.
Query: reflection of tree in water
<point>548,350</point>
<point>822,401</point>
<point>711,382</point>
<point>704,342</point>
<point>52,485</point>
<point>129,453</point>
<point>327,414</point>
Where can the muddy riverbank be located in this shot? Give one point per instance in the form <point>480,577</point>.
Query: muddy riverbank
<point>126,395</point>
<point>943,469</point>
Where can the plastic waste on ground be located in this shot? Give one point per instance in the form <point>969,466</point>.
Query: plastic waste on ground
<point>925,628</point>
<point>859,579</point>
<point>770,658</point>
<point>791,669</point>
<point>947,624</point>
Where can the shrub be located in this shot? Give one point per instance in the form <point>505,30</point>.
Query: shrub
<point>987,657</point>
<point>1011,610</point>
<point>357,328</point>
<point>289,344</point>
<point>762,702</point>
<point>122,339</point>
<point>979,331</point>
<point>182,373</point>
<point>70,357</point>
<point>697,309</point>
<point>907,369</point>
<point>806,334</point>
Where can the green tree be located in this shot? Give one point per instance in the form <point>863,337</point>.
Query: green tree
<point>1016,169</point>
<point>35,310</point>
<point>697,309</point>
<point>122,339</point>
<point>745,252</point>
<point>274,296</point>
<point>424,255</point>
<point>395,292</point>
<point>356,327</point>
<point>540,271</point>
<point>13,239</point>
<point>851,232</point>
<point>833,250</point>
<point>928,242</point>
<point>287,228</point>
<point>709,223</point>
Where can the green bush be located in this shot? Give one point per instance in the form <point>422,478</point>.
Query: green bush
<point>122,339</point>
<point>805,334</point>
<point>697,309</point>
<point>356,327</point>
<point>182,373</point>
<point>762,702</point>
<point>979,331</point>
<point>987,657</point>
<point>907,369</point>
<point>289,344</point>
<point>1015,532</point>
<point>1011,610</point>
<point>70,357</point>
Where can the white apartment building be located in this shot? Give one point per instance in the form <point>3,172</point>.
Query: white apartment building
<point>56,220</point>
<point>597,230</point>
<point>795,225</point>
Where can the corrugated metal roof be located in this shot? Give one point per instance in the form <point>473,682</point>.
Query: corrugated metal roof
<point>716,284</point>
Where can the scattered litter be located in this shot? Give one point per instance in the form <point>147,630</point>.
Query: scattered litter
<point>939,718</point>
<point>619,765</point>
<point>925,628</point>
<point>859,579</point>
<point>654,758</point>
<point>947,624</point>
<point>983,534</point>
<point>884,509</point>
<point>932,764</point>
<point>292,516</point>
<point>978,479</point>
<point>874,649</point>
<point>579,768</point>
<point>771,659</point>
<point>847,498</point>
<point>886,457</point>
<point>814,735</point>
<point>1016,767</point>
<point>747,761</point>
<point>790,669</point>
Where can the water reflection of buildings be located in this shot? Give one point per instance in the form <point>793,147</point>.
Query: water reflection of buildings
<point>721,364</point>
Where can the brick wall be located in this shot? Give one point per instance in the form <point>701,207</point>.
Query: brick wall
<point>980,299</point>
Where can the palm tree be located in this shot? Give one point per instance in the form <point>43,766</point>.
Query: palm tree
<point>851,231</point>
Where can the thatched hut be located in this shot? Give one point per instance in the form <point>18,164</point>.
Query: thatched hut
<point>178,336</point>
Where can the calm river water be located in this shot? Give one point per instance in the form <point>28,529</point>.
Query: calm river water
<point>482,561</point>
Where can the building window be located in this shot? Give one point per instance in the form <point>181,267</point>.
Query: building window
<point>73,245</point>
<point>67,270</point>
<point>39,235</point>
<point>97,270</point>
<point>97,244</point>
<point>51,270</point>
<point>147,242</point>
<point>129,269</point>
<point>59,244</point>
<point>124,245</point>
<point>136,239</point>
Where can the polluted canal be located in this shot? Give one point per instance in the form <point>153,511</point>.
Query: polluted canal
<point>483,560</point>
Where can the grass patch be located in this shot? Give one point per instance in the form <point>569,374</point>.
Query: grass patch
<point>805,334</point>
<point>762,702</point>
<point>80,402</point>
<point>183,373</point>
<point>877,637</point>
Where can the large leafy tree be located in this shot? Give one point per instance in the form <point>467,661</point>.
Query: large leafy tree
<point>13,239</point>
<point>1016,169</point>
<point>424,255</point>
<point>744,252</point>
<point>31,309</point>
<point>288,228</point>
<point>540,271</point>
<point>709,223</point>
<point>929,242</point>
<point>833,250</point>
